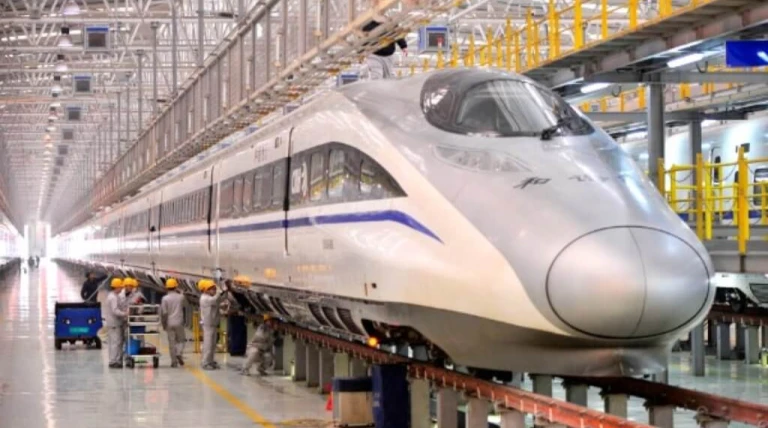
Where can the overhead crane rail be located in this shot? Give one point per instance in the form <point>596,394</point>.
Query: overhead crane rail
<point>709,407</point>
<point>261,70</point>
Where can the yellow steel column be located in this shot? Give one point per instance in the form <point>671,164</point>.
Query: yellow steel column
<point>196,331</point>
<point>529,38</point>
<point>633,6</point>
<point>622,101</point>
<point>499,54</point>
<point>469,59</point>
<point>699,177</point>
<point>742,202</point>
<point>454,55</point>
<point>660,172</point>
<point>518,66</point>
<point>536,43</point>
<point>673,188</point>
<point>578,22</point>
<point>603,19</point>
<point>641,97</point>
<point>440,59</point>
<point>551,29</point>
<point>708,203</point>
<point>665,7</point>
<point>508,42</point>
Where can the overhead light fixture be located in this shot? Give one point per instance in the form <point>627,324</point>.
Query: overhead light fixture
<point>70,8</point>
<point>50,128</point>
<point>61,65</point>
<point>55,105</point>
<point>56,89</point>
<point>65,41</point>
<point>592,87</point>
<point>685,60</point>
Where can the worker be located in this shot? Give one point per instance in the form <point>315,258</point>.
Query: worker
<point>133,295</point>
<point>260,349</point>
<point>210,299</point>
<point>115,316</point>
<point>90,287</point>
<point>380,65</point>
<point>172,319</point>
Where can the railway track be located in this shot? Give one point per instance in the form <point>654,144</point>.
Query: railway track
<point>711,410</point>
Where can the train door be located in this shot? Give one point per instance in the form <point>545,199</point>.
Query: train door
<point>155,216</point>
<point>210,204</point>
<point>290,180</point>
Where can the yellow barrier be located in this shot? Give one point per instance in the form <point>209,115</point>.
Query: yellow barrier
<point>722,194</point>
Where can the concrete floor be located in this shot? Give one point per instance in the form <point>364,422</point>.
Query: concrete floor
<point>42,387</point>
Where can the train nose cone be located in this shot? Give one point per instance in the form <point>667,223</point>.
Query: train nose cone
<point>626,283</point>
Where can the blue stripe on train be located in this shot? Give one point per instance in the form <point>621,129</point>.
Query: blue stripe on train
<point>364,217</point>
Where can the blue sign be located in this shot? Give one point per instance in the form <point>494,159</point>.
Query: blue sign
<point>746,53</point>
<point>432,37</point>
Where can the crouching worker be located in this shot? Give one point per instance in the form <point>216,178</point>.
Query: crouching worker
<point>115,316</point>
<point>260,349</point>
<point>172,319</point>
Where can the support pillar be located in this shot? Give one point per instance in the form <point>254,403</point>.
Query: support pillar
<point>751,344</point>
<point>764,328</point>
<point>174,54</point>
<point>542,384</point>
<point>517,380</point>
<point>512,419</point>
<point>697,350</point>
<point>705,421</point>
<point>154,25</point>
<point>739,338</point>
<point>278,357</point>
<point>661,416</point>
<point>119,128</point>
<point>289,353</point>
<point>447,408</point>
<point>313,366</point>
<point>711,334</point>
<point>662,376</point>
<point>341,363</point>
<point>655,130</point>
<point>723,341</point>
<point>128,115</point>
<point>420,401</point>
<point>695,132</point>
<point>140,98</point>
<point>358,368</point>
<point>477,413</point>
<point>201,33</point>
<point>299,361</point>
<point>616,404</point>
<point>576,393</point>
<point>325,370</point>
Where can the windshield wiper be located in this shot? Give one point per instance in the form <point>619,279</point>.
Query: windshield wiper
<point>547,133</point>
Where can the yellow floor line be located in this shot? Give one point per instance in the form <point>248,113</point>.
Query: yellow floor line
<point>224,393</point>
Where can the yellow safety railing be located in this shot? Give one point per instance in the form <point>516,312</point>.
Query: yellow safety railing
<point>722,194</point>
<point>197,335</point>
<point>539,39</point>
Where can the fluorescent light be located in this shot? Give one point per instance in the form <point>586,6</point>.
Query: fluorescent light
<point>643,156</point>
<point>56,105</point>
<point>592,87</point>
<point>708,122</point>
<point>61,67</point>
<point>65,41</point>
<point>56,89</point>
<point>685,60</point>
<point>70,9</point>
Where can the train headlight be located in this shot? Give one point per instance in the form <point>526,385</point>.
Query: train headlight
<point>66,321</point>
<point>480,160</point>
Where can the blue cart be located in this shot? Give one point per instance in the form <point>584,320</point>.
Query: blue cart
<point>77,321</point>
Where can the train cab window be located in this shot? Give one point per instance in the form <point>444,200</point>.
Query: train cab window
<point>375,182</point>
<point>343,173</point>
<point>226,199</point>
<point>278,185</point>
<point>494,105</point>
<point>247,192</point>
<point>317,183</point>
<point>238,197</point>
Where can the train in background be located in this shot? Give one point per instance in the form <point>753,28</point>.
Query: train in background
<point>720,144</point>
<point>471,215</point>
<point>11,243</point>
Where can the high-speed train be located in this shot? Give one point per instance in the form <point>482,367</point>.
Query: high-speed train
<point>10,243</point>
<point>472,212</point>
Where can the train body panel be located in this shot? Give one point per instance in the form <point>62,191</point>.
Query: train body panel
<point>360,214</point>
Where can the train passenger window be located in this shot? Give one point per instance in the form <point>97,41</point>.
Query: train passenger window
<point>247,192</point>
<point>258,185</point>
<point>317,183</point>
<point>278,185</point>
<point>238,197</point>
<point>226,199</point>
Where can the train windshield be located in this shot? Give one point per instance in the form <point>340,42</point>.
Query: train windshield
<point>499,108</point>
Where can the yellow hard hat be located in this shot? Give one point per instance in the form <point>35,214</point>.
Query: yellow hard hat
<point>242,281</point>
<point>205,284</point>
<point>117,283</point>
<point>130,283</point>
<point>171,283</point>
<point>267,317</point>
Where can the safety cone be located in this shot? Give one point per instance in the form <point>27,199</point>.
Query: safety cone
<point>329,403</point>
